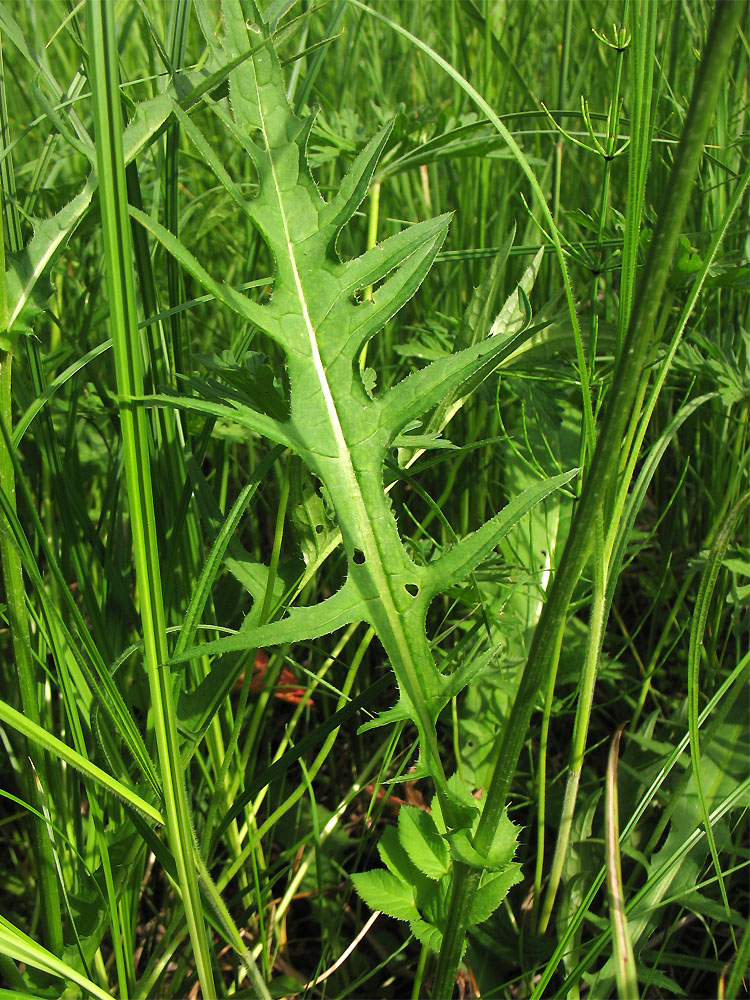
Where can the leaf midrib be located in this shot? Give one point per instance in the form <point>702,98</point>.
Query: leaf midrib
<point>344,457</point>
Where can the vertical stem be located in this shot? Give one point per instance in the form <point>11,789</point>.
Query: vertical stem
<point>179,16</point>
<point>581,727</point>
<point>103,58</point>
<point>12,572</point>
<point>602,471</point>
<point>597,621</point>
<point>15,597</point>
<point>541,782</point>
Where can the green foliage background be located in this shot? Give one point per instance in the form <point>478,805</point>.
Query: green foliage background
<point>215,845</point>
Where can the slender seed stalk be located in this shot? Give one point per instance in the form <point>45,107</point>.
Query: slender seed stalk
<point>557,172</point>
<point>135,441</point>
<point>597,619</point>
<point>618,408</point>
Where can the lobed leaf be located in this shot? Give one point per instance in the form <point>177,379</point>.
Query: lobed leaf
<point>353,187</point>
<point>298,625</point>
<point>456,564</point>
<point>243,306</point>
<point>424,389</point>
<point>335,425</point>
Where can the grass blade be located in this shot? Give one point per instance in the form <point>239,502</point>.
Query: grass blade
<point>35,733</point>
<point>102,40</point>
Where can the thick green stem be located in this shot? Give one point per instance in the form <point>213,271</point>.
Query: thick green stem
<point>625,383</point>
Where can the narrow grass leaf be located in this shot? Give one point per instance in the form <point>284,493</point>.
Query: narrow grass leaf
<point>21,948</point>
<point>19,722</point>
<point>102,40</point>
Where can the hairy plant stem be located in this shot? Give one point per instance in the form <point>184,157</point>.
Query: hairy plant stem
<point>600,477</point>
<point>612,558</point>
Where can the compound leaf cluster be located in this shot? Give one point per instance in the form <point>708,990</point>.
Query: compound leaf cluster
<point>415,883</point>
